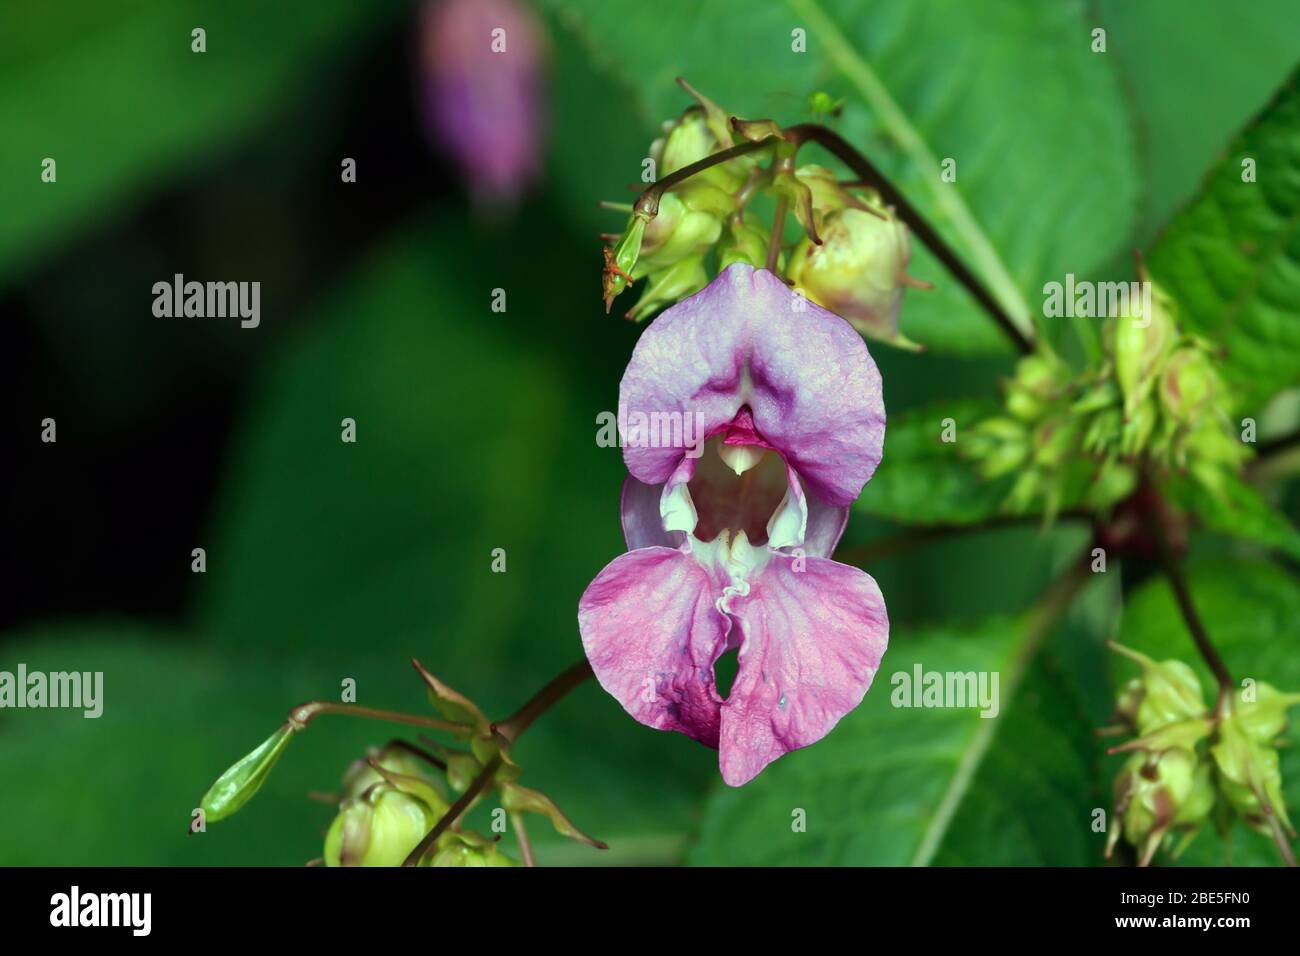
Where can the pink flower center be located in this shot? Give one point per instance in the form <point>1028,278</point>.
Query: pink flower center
<point>727,501</point>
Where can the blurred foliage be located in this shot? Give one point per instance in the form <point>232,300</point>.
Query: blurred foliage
<point>113,93</point>
<point>475,429</point>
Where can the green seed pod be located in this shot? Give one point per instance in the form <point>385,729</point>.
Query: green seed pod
<point>240,783</point>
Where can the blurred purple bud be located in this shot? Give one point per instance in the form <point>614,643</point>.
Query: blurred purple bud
<point>480,73</point>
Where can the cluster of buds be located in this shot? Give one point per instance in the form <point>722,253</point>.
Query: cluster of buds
<point>389,802</point>
<point>394,800</point>
<point>852,259</point>
<point>1154,399</point>
<point>1188,764</point>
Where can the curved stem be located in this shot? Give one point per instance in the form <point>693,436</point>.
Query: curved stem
<point>418,752</point>
<point>648,201</point>
<point>513,726</point>
<point>304,714</point>
<point>867,173</point>
<point>1173,570</point>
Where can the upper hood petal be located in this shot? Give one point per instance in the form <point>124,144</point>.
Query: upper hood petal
<point>746,339</point>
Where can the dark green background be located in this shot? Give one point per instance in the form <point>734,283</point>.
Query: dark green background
<point>476,429</point>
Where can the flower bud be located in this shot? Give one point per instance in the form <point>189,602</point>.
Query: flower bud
<point>379,828</point>
<point>858,272</point>
<point>1140,344</point>
<point>678,232</point>
<point>392,761</point>
<point>1158,793</point>
<point>828,196</point>
<point>1171,691</point>
<point>690,139</point>
<point>682,278</point>
<point>468,849</point>
<point>1249,773</point>
<point>1000,445</point>
<point>1188,383</point>
<point>1264,718</point>
<point>745,240</point>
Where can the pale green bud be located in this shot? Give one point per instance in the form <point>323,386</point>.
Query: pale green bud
<point>468,849</point>
<point>745,240</point>
<point>362,775</point>
<point>1249,773</point>
<point>1141,343</point>
<point>1155,793</point>
<point>1171,691</point>
<point>858,272</point>
<point>682,278</point>
<point>379,828</point>
<point>1188,384</point>
<point>677,232</point>
<point>1264,718</point>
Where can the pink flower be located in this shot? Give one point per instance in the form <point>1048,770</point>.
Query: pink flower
<point>481,68</point>
<point>731,546</point>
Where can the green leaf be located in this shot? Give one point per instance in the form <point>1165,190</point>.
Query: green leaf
<point>924,480</point>
<point>1249,609</point>
<point>1232,258</point>
<point>897,786</point>
<point>1163,69</point>
<point>1241,512</point>
<point>112,92</point>
<point>1035,122</point>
